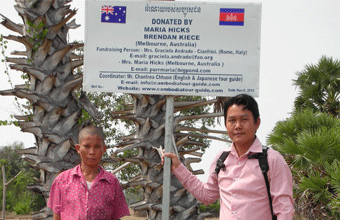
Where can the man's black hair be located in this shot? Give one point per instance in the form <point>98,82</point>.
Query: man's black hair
<point>242,99</point>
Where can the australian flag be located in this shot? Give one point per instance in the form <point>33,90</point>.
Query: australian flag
<point>113,14</point>
<point>232,16</point>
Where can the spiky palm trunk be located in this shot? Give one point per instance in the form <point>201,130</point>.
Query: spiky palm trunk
<point>149,118</point>
<point>48,64</point>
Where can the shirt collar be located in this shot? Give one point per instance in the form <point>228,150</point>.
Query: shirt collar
<point>76,171</point>
<point>102,175</point>
<point>256,147</point>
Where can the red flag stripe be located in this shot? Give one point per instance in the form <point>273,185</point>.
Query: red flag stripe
<point>232,17</point>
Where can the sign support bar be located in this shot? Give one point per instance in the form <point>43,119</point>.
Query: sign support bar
<point>169,117</point>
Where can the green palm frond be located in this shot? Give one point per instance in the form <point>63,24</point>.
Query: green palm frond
<point>310,141</point>
<point>319,86</point>
<point>333,171</point>
<point>321,145</point>
<point>302,162</point>
<point>317,187</point>
<point>334,206</point>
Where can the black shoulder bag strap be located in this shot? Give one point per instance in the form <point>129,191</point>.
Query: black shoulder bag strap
<point>220,162</point>
<point>263,161</point>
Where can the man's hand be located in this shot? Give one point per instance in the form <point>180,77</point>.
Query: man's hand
<point>174,159</point>
<point>56,217</point>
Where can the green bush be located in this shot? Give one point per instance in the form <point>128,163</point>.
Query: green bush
<point>18,198</point>
<point>22,208</point>
<point>212,208</point>
<point>310,143</point>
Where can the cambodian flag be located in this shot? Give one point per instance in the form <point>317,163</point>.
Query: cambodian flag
<point>232,16</point>
<point>113,14</point>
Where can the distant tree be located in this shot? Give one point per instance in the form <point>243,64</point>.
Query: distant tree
<point>18,198</point>
<point>10,159</point>
<point>319,87</point>
<point>310,143</point>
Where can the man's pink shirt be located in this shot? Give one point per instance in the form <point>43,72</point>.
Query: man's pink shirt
<point>242,188</point>
<point>71,199</point>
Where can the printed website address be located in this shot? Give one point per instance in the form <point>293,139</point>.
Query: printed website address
<point>166,83</point>
<point>134,88</point>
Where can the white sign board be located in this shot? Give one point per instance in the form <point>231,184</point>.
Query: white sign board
<point>172,48</point>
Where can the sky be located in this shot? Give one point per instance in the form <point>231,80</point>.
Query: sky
<point>293,35</point>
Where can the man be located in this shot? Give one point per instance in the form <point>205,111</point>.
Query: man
<point>241,186</point>
<point>88,191</point>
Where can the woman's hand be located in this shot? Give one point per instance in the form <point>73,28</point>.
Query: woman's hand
<point>174,159</point>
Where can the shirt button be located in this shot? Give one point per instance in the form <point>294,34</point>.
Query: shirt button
<point>233,212</point>
<point>235,179</point>
<point>239,163</point>
<point>234,195</point>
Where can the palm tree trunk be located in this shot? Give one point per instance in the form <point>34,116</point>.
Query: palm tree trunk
<point>48,65</point>
<point>149,118</point>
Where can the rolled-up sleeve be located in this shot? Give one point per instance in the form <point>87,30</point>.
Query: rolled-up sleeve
<point>281,187</point>
<point>205,192</point>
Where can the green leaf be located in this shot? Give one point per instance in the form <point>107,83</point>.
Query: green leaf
<point>317,187</point>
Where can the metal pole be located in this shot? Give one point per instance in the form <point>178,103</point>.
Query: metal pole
<point>3,193</point>
<point>169,118</point>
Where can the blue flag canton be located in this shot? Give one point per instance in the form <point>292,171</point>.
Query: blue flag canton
<point>232,10</point>
<point>113,14</point>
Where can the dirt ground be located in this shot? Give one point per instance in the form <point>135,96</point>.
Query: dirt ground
<point>13,216</point>
<point>132,217</point>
